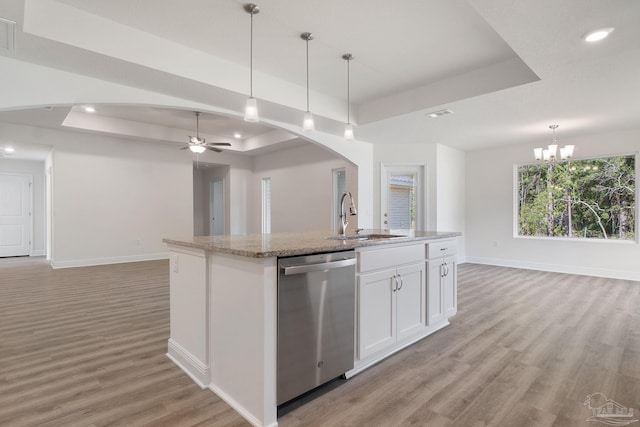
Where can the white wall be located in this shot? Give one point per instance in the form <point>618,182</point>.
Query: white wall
<point>37,171</point>
<point>451,194</point>
<point>490,214</point>
<point>301,188</point>
<point>113,199</point>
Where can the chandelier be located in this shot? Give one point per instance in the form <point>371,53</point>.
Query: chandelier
<point>551,152</point>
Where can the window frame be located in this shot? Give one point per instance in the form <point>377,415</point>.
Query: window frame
<point>516,210</point>
<point>266,205</point>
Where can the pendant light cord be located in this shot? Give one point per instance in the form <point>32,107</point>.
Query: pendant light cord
<point>348,92</point>
<point>307,40</point>
<point>251,57</point>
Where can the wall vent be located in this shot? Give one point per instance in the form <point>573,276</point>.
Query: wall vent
<point>439,113</point>
<point>7,35</point>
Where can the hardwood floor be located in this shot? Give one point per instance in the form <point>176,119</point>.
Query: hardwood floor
<point>86,347</point>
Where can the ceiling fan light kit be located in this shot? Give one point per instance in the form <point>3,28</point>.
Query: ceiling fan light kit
<point>199,145</point>
<point>198,149</point>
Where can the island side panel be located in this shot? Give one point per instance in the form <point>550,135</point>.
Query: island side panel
<point>188,295</point>
<point>243,334</point>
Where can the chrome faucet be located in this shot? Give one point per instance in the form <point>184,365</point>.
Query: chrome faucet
<point>342,228</point>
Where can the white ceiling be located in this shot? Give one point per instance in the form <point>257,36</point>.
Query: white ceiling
<point>507,69</point>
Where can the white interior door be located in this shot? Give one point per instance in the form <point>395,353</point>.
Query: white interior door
<point>15,215</point>
<point>216,207</point>
<point>402,197</point>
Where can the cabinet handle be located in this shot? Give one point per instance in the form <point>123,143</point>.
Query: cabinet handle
<point>446,269</point>
<point>395,279</point>
<point>400,277</point>
<point>443,249</point>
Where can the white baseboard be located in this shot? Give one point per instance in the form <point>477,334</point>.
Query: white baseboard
<point>556,268</point>
<point>239,408</point>
<point>191,365</point>
<point>110,260</point>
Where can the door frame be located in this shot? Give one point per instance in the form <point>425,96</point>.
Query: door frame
<point>420,169</point>
<point>30,199</point>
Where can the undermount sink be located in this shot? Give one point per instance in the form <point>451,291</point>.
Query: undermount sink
<point>374,236</point>
<point>383,236</point>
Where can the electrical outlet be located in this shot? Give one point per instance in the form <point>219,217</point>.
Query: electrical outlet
<point>496,243</point>
<point>174,263</point>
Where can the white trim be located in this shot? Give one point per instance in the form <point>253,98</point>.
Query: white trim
<point>239,408</point>
<point>109,260</point>
<point>556,268</point>
<point>38,253</point>
<point>612,241</point>
<point>194,368</point>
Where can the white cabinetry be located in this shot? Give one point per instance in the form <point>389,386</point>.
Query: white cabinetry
<point>442,288</point>
<point>391,307</point>
<point>391,299</point>
<point>404,293</point>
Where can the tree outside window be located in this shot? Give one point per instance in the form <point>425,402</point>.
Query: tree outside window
<point>592,199</point>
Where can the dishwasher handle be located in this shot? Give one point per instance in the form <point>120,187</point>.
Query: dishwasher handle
<point>308,268</point>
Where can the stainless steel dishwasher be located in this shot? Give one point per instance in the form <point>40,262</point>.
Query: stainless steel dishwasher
<point>316,310</point>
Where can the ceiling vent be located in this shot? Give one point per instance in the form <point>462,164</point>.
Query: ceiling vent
<point>7,35</point>
<point>439,113</point>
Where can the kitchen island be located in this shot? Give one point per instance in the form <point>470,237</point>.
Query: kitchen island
<point>223,304</point>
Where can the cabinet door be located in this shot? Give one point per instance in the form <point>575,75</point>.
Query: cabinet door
<point>435,300</point>
<point>376,312</point>
<point>450,287</point>
<point>411,300</point>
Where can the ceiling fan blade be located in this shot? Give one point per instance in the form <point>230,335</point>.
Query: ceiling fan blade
<point>217,150</point>
<point>184,148</point>
<point>225,144</point>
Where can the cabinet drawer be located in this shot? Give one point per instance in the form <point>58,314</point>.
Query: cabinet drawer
<point>389,257</point>
<point>440,249</point>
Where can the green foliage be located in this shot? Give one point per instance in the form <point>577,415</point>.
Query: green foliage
<point>585,198</point>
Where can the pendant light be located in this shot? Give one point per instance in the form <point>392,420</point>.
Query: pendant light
<point>251,108</point>
<point>307,123</point>
<point>348,127</point>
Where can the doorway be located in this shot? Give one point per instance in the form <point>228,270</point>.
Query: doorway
<point>15,214</point>
<point>216,207</point>
<point>402,197</point>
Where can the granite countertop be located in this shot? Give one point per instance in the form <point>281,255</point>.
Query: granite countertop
<point>288,244</point>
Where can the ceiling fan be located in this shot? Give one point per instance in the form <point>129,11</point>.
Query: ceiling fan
<point>198,145</point>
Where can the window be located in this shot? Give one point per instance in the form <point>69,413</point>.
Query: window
<point>586,199</point>
<point>401,197</point>
<point>339,187</point>
<point>266,205</point>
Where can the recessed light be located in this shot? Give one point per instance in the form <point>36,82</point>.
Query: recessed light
<point>237,135</point>
<point>597,35</point>
<point>439,113</point>
<point>89,109</point>
<point>9,150</point>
